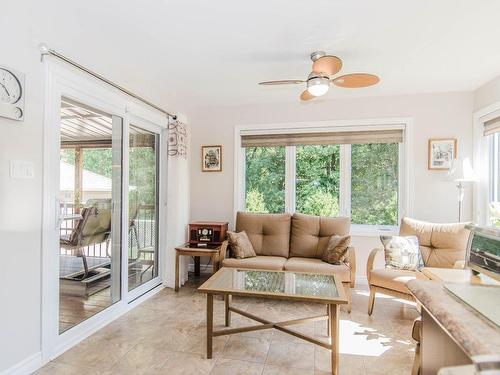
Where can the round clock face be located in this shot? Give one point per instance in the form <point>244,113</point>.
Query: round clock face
<point>10,87</point>
<point>204,232</point>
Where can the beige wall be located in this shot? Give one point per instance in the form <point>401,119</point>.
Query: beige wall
<point>487,94</point>
<point>435,115</point>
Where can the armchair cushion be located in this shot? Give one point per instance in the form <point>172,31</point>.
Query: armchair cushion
<point>401,252</point>
<point>260,262</point>
<point>441,245</point>
<point>310,234</point>
<point>314,265</point>
<point>394,279</point>
<point>268,233</point>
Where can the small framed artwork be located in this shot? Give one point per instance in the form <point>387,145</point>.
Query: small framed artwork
<point>442,151</point>
<point>211,158</point>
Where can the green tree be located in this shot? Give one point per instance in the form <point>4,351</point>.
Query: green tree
<point>255,202</point>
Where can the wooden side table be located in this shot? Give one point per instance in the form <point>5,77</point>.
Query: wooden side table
<point>194,251</point>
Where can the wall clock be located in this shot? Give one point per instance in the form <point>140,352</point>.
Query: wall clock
<point>11,94</point>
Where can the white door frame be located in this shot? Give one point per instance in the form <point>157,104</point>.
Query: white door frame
<point>63,80</point>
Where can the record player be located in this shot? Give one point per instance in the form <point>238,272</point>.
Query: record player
<point>207,233</point>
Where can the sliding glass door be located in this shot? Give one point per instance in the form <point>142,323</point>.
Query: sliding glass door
<point>143,238</point>
<point>90,190</point>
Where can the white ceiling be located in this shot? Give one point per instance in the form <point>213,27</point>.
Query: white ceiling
<point>192,53</point>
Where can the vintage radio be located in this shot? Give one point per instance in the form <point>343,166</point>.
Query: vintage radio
<point>207,233</point>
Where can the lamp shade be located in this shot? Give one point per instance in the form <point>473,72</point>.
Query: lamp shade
<point>461,171</point>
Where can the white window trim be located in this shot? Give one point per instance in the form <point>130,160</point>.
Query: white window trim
<point>405,162</point>
<point>482,147</point>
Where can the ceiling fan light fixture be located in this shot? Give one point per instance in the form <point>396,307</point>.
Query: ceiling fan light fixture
<point>318,86</point>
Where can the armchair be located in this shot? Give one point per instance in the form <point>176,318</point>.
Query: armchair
<point>441,245</point>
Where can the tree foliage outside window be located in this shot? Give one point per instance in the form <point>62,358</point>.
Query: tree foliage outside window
<point>318,179</point>
<point>374,183</point>
<point>265,179</point>
<point>142,165</point>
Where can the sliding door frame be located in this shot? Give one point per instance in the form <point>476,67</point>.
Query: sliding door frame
<point>64,81</point>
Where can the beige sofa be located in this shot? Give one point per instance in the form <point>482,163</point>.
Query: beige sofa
<point>441,245</point>
<point>294,243</point>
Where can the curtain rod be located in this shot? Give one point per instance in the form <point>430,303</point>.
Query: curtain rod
<point>44,50</point>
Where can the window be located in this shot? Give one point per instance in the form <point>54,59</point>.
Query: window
<point>494,188</point>
<point>265,179</point>
<point>374,183</point>
<point>348,173</point>
<point>317,182</point>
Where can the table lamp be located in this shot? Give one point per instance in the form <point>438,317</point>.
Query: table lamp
<point>461,172</point>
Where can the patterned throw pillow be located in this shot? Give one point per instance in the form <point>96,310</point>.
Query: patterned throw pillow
<point>240,245</point>
<point>336,250</point>
<point>402,252</point>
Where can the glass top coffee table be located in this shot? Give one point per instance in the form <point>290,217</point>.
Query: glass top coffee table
<point>285,285</point>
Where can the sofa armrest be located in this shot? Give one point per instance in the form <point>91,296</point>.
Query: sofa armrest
<point>223,250</point>
<point>370,262</point>
<point>352,264</point>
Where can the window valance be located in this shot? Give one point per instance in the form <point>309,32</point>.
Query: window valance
<point>492,126</point>
<point>322,138</point>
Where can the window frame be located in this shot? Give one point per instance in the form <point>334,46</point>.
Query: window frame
<point>483,164</point>
<point>405,173</point>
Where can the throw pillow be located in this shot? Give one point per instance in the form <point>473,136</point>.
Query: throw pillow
<point>241,245</point>
<point>336,250</point>
<point>402,252</point>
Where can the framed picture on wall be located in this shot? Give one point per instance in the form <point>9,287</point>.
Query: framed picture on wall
<point>442,151</point>
<point>211,158</point>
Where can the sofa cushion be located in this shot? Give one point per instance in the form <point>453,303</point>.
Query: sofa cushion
<point>240,245</point>
<point>268,233</point>
<point>441,245</point>
<point>310,234</point>
<point>313,265</point>
<point>260,262</point>
<point>394,279</point>
<point>336,249</point>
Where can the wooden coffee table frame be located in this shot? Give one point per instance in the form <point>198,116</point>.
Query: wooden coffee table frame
<point>332,316</point>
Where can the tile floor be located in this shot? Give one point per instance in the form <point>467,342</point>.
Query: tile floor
<point>166,335</point>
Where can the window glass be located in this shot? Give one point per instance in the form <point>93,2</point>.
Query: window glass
<point>265,179</point>
<point>318,180</point>
<point>374,183</point>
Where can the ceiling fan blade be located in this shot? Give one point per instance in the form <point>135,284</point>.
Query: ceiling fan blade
<point>306,95</point>
<point>282,82</point>
<point>327,64</point>
<point>356,80</point>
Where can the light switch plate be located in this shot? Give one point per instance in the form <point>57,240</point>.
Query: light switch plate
<point>20,169</point>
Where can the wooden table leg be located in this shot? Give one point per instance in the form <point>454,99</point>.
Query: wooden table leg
<point>227,303</point>
<point>210,323</point>
<point>328,321</point>
<point>333,317</point>
<point>177,257</point>
<point>196,265</point>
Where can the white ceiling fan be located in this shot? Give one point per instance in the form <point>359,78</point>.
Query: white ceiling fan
<point>324,67</point>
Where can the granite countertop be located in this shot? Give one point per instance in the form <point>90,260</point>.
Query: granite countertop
<point>474,333</point>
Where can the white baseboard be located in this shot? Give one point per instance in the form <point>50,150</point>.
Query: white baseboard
<point>26,366</point>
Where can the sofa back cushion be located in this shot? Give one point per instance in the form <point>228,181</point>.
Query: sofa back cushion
<point>441,245</point>
<point>268,233</point>
<point>310,234</point>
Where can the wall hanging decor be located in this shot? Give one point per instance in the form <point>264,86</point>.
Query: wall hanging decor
<point>211,158</point>
<point>11,94</point>
<point>442,151</point>
<point>177,139</point>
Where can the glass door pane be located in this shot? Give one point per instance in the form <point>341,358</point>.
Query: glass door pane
<point>143,206</point>
<point>90,212</point>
